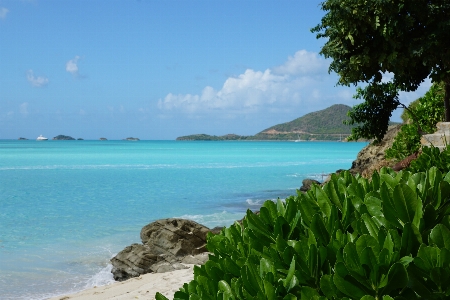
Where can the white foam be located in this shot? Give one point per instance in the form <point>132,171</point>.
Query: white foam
<point>223,218</point>
<point>254,202</point>
<point>103,277</point>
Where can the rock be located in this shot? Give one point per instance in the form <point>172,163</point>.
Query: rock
<point>307,183</point>
<point>167,244</point>
<point>372,157</point>
<point>440,139</point>
<point>178,237</point>
<point>132,261</point>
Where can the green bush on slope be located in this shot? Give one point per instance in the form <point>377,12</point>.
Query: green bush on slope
<point>423,115</point>
<point>387,238</point>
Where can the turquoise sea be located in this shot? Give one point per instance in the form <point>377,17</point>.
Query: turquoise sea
<point>66,207</point>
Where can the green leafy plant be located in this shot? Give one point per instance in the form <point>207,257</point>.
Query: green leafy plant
<point>432,156</point>
<point>421,117</point>
<point>405,143</point>
<point>387,238</point>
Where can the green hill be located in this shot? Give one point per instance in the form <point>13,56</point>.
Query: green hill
<point>326,121</point>
<point>326,124</point>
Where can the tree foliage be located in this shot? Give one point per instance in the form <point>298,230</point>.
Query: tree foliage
<point>366,39</point>
<point>372,116</point>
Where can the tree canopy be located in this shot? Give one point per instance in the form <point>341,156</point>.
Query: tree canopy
<point>368,38</point>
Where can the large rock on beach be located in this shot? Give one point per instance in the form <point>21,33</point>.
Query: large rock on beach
<point>372,157</point>
<point>167,244</point>
<point>307,183</point>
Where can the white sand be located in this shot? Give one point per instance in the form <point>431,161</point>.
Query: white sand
<point>142,287</point>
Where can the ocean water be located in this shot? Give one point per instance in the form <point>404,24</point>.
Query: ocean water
<point>66,207</point>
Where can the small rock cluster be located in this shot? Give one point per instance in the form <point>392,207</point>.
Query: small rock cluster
<point>167,244</point>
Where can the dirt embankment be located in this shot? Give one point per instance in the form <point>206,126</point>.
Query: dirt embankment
<point>372,157</point>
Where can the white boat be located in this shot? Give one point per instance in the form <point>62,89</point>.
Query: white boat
<point>41,138</point>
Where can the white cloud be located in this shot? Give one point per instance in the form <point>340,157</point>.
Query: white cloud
<point>36,81</point>
<point>3,12</point>
<point>72,66</point>
<point>303,62</point>
<point>294,82</point>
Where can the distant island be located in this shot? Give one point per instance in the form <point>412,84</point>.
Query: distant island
<point>103,139</point>
<point>63,138</point>
<point>131,139</point>
<point>326,124</point>
<point>22,139</point>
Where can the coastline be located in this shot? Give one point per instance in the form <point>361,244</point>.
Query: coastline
<point>142,287</point>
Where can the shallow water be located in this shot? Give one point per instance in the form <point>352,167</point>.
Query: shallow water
<point>66,207</point>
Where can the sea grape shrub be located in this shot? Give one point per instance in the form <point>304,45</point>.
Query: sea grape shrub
<point>421,116</point>
<point>384,238</point>
<point>405,143</point>
<point>432,156</point>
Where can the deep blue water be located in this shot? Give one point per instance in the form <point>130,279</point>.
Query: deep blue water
<point>67,206</point>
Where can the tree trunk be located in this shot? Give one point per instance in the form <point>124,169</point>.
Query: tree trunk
<point>447,99</point>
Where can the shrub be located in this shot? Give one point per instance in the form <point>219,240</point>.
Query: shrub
<point>432,156</point>
<point>421,117</point>
<point>352,239</point>
<point>405,143</point>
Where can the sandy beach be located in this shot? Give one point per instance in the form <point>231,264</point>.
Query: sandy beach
<point>142,287</point>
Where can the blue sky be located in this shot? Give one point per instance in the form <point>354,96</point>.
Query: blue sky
<point>161,69</point>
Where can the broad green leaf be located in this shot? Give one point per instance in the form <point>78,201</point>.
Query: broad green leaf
<point>397,278</point>
<point>265,216</point>
<point>313,261</point>
<point>226,289</point>
<point>269,291</point>
<point>255,224</point>
<point>334,194</point>
<point>327,286</point>
<point>248,282</point>
<point>195,297</point>
<point>349,286</point>
<point>367,241</point>
<point>319,229</point>
<point>440,235</point>
<point>373,205</point>
<point>370,225</point>
<point>389,209</point>
<point>272,209</point>
<point>266,266</point>
<point>323,201</point>
<point>289,297</point>
<point>160,296</point>
<point>290,280</point>
<point>391,181</point>
<point>405,203</point>
<point>280,207</point>
<point>351,259</point>
<point>411,240</point>
<point>308,209</point>
<point>308,293</point>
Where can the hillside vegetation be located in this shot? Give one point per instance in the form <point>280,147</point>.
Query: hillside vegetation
<point>326,124</point>
<point>326,121</point>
